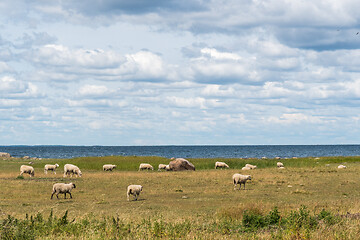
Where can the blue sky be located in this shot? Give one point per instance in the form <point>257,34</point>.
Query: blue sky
<point>168,72</point>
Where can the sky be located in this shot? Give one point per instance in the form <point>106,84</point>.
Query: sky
<point>190,72</point>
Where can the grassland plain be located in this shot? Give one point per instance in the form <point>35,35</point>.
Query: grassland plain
<point>310,198</point>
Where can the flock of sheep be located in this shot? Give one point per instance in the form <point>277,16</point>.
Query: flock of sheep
<point>71,170</point>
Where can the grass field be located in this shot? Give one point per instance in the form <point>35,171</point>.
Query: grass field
<point>310,198</point>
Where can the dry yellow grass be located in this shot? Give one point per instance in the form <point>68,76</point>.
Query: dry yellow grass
<point>175,196</point>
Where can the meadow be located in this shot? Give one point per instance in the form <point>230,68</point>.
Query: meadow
<point>309,199</point>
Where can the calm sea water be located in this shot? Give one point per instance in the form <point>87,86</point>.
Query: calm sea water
<point>269,151</point>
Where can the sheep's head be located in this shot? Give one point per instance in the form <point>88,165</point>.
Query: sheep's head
<point>249,177</point>
<point>32,173</point>
<point>73,184</point>
<point>141,188</point>
<point>57,165</point>
<point>79,173</point>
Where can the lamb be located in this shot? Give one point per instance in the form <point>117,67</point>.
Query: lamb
<point>279,164</point>
<point>27,169</point>
<point>134,190</point>
<point>341,166</point>
<point>69,168</point>
<point>144,166</point>
<point>62,188</point>
<point>240,179</point>
<point>49,167</point>
<point>109,167</point>
<point>250,166</point>
<point>221,165</point>
<point>162,166</point>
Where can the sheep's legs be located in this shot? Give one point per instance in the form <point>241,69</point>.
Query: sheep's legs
<point>70,194</point>
<point>52,195</point>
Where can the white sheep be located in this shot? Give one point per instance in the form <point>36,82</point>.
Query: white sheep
<point>133,190</point>
<point>71,169</point>
<point>144,166</point>
<point>50,167</point>
<point>246,168</point>
<point>167,168</point>
<point>341,166</point>
<point>27,169</point>
<point>221,165</point>
<point>251,166</point>
<point>162,166</point>
<point>240,179</point>
<point>279,164</point>
<point>277,158</point>
<point>109,167</point>
<point>62,188</point>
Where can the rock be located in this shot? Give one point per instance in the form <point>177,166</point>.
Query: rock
<point>5,155</point>
<point>181,164</point>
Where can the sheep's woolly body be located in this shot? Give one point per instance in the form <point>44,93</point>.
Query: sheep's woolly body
<point>279,164</point>
<point>27,169</point>
<point>72,169</point>
<point>133,190</point>
<point>341,166</point>
<point>109,167</point>
<point>62,188</point>
<point>245,168</point>
<point>240,179</point>
<point>162,166</point>
<point>50,167</point>
<point>221,165</point>
<point>144,166</point>
<point>251,166</point>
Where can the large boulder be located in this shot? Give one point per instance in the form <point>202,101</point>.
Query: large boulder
<point>181,164</point>
<point>5,155</point>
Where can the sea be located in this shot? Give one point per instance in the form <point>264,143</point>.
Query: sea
<point>198,151</point>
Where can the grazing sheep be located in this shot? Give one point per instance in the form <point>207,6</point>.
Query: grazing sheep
<point>246,168</point>
<point>109,167</point>
<point>250,166</point>
<point>240,179</point>
<point>71,169</point>
<point>221,165</point>
<point>31,163</point>
<point>162,166</point>
<point>134,190</point>
<point>279,164</point>
<point>27,169</point>
<point>281,168</point>
<point>341,166</point>
<point>277,158</point>
<point>49,167</point>
<point>62,188</point>
<point>144,166</point>
<point>167,168</point>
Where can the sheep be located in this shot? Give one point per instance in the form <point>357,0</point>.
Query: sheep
<point>27,169</point>
<point>162,166</point>
<point>62,188</point>
<point>341,166</point>
<point>69,168</point>
<point>144,166</point>
<point>167,168</point>
<point>250,166</point>
<point>246,168</point>
<point>281,168</point>
<point>279,164</point>
<point>49,167</point>
<point>277,158</point>
<point>134,190</point>
<point>221,165</point>
<point>109,167</point>
<point>240,179</point>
